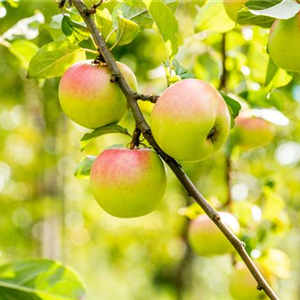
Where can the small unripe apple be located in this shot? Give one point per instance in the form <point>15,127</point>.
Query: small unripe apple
<point>243,286</point>
<point>251,132</point>
<point>190,120</point>
<point>128,183</point>
<point>233,7</point>
<point>89,98</point>
<point>284,43</point>
<point>205,237</point>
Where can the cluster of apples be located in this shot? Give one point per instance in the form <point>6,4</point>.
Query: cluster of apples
<point>284,38</point>
<point>190,121</point>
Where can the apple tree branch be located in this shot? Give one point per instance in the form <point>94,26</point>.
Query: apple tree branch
<point>145,129</point>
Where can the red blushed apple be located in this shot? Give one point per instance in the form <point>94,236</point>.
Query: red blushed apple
<point>284,43</point>
<point>190,120</point>
<point>205,237</point>
<point>89,98</point>
<point>128,183</point>
<point>251,132</point>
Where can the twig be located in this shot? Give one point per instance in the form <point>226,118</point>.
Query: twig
<point>135,142</point>
<point>175,167</point>
<point>223,80</point>
<point>150,98</point>
<point>93,9</point>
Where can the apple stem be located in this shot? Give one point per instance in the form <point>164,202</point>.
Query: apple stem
<point>145,129</point>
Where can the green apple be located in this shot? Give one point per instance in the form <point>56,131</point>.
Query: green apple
<point>128,183</point>
<point>205,237</point>
<point>243,286</point>
<point>190,120</point>
<point>284,43</point>
<point>89,98</point>
<point>233,7</point>
<point>251,132</point>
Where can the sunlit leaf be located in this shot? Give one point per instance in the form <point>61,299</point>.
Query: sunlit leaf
<point>233,106</point>
<point>83,169</point>
<point>112,128</point>
<point>165,24</point>
<point>104,21</point>
<point>127,31</point>
<point>53,59</point>
<point>24,50</point>
<point>283,10</point>
<point>39,280</point>
<point>212,16</point>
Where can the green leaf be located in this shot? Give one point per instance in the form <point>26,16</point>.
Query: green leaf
<point>53,59</point>
<point>213,17</point>
<point>284,10</point>
<point>127,30</point>
<point>66,26</point>
<point>24,50</point>
<point>271,72</point>
<point>104,21</point>
<point>247,15</point>
<point>181,71</point>
<point>165,24</point>
<point>233,106</point>
<point>112,128</point>
<point>83,169</point>
<point>276,77</point>
<point>135,11</point>
<point>39,280</point>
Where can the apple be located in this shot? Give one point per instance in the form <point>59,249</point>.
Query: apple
<point>205,237</point>
<point>243,286</point>
<point>128,183</point>
<point>251,132</point>
<point>190,120</point>
<point>284,43</point>
<point>233,7</point>
<point>89,98</point>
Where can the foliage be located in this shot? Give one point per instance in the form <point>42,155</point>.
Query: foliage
<point>47,212</point>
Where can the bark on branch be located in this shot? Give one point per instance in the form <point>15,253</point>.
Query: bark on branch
<point>145,129</point>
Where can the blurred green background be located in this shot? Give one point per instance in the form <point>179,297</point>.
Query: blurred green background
<point>46,212</point>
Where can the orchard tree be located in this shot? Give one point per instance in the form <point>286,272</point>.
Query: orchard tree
<point>195,117</point>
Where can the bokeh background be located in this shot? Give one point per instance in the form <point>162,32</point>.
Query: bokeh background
<point>45,211</point>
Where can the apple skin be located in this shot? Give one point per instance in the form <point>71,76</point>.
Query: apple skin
<point>190,120</point>
<point>252,132</point>
<point>284,43</point>
<point>243,286</point>
<point>233,7</point>
<point>89,98</point>
<point>128,183</point>
<point>205,237</point>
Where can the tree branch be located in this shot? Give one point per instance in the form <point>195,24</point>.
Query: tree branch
<point>175,167</point>
<point>223,80</point>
